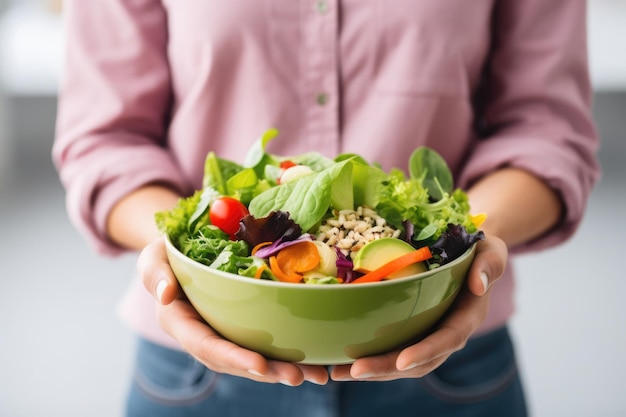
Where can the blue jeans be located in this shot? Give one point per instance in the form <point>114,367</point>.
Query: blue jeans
<point>481,380</point>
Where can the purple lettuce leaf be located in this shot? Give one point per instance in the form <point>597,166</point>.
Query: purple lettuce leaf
<point>453,243</point>
<point>277,225</point>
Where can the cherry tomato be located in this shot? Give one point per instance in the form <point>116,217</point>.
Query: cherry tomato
<point>226,212</point>
<point>287,164</point>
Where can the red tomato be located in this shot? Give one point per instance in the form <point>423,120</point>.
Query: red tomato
<point>226,212</point>
<point>287,164</point>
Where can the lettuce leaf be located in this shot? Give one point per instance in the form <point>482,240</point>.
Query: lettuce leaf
<point>209,243</point>
<point>309,198</point>
<point>277,226</point>
<point>452,243</point>
<point>174,223</point>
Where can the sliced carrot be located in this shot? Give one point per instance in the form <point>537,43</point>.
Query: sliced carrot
<point>289,264</point>
<point>260,271</point>
<point>300,257</point>
<point>282,276</point>
<point>259,246</point>
<point>418,255</point>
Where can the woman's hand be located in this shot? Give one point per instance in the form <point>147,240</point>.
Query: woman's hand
<point>464,318</point>
<point>180,320</point>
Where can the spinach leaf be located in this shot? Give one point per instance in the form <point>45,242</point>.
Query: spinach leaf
<point>368,183</point>
<point>426,164</point>
<point>217,171</point>
<point>314,160</point>
<point>353,156</point>
<point>243,185</point>
<point>256,158</point>
<point>308,199</point>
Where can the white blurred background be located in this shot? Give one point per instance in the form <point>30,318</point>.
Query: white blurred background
<point>63,351</point>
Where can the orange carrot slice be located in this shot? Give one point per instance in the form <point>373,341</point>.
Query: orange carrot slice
<point>298,258</point>
<point>282,276</point>
<point>289,264</point>
<point>418,255</point>
<point>259,246</point>
<point>259,271</point>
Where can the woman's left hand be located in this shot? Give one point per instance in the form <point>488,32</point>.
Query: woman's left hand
<point>465,317</point>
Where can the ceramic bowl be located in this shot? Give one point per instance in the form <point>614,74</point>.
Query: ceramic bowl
<point>319,324</point>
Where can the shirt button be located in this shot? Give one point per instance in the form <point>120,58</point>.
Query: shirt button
<point>321,6</point>
<point>322,99</point>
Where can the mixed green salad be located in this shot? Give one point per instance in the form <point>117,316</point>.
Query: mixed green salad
<point>306,218</point>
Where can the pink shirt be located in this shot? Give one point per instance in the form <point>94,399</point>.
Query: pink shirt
<point>152,85</point>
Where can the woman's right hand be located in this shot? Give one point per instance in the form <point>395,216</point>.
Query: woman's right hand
<point>181,321</point>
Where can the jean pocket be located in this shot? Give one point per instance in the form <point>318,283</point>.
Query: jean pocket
<point>485,368</point>
<point>171,377</point>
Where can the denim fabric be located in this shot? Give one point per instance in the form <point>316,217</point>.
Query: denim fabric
<point>481,380</point>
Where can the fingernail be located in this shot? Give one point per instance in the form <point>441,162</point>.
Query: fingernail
<point>364,375</point>
<point>255,372</point>
<point>312,381</point>
<point>160,289</point>
<point>285,382</point>
<point>408,367</point>
<point>485,280</point>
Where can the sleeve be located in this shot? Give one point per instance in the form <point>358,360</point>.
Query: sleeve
<point>536,106</point>
<point>113,109</point>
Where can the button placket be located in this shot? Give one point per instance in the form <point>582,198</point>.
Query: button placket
<point>321,8</point>
<point>321,73</point>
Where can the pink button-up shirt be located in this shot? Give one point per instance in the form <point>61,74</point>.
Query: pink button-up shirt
<point>152,85</point>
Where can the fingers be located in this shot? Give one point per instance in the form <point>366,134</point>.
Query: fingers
<point>375,368</point>
<point>488,265</point>
<point>464,319</point>
<point>156,273</point>
<point>425,356</point>
<point>315,374</point>
<point>181,321</point>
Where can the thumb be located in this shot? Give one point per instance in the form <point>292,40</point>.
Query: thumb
<point>488,266</point>
<point>156,273</point>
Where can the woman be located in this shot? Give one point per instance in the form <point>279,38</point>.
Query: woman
<point>500,88</point>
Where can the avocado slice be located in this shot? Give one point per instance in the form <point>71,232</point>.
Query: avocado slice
<point>382,251</point>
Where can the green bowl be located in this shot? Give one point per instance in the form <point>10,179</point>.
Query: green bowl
<point>319,324</point>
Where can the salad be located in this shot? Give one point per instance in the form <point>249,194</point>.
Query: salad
<point>311,219</point>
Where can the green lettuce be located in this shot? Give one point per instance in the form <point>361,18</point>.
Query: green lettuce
<point>426,199</point>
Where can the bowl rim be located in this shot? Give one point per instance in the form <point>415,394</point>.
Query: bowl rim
<point>171,248</point>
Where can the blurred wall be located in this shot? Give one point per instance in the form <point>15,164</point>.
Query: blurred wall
<point>5,141</point>
<point>31,46</point>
